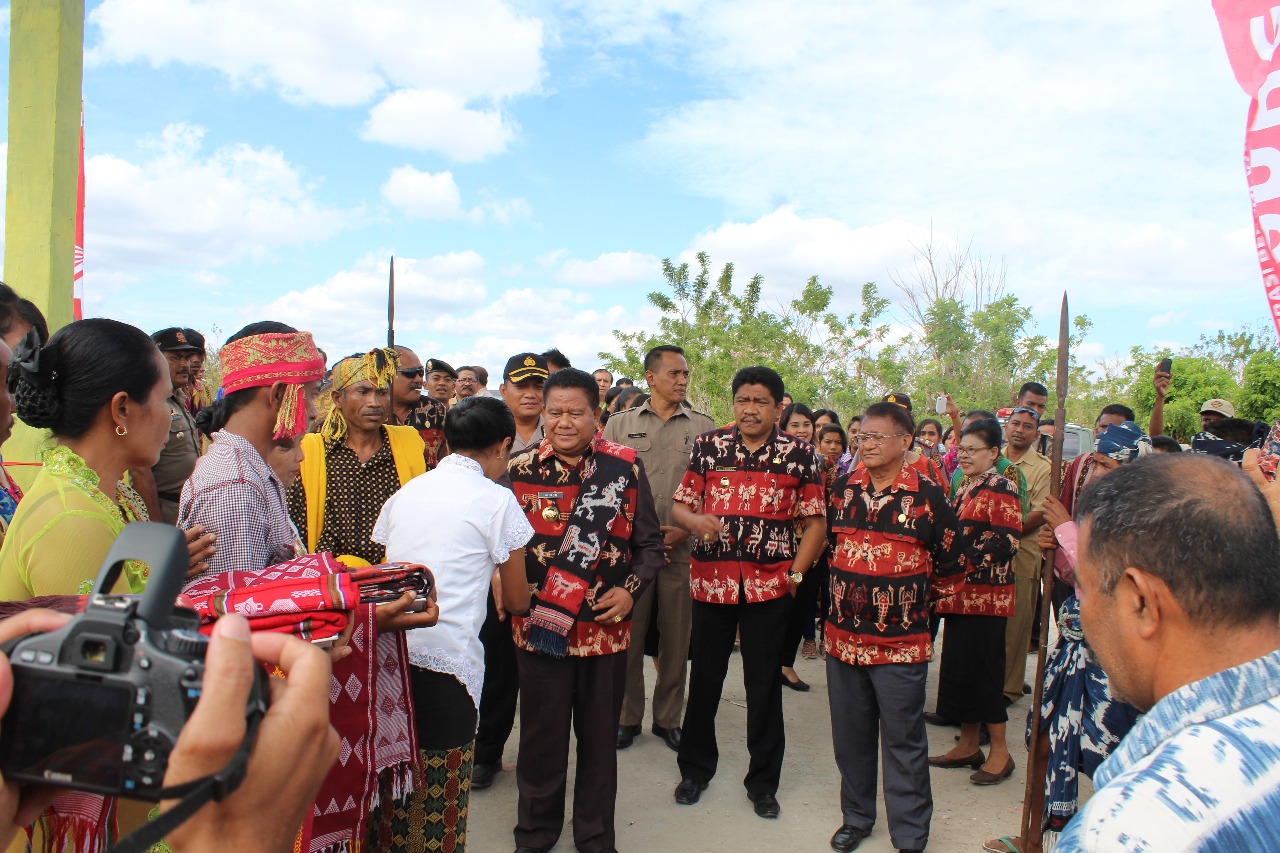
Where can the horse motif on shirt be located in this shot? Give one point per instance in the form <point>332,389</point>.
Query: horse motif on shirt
<point>585,552</point>
<point>594,498</point>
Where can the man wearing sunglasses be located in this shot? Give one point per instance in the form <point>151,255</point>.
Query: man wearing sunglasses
<point>410,407</point>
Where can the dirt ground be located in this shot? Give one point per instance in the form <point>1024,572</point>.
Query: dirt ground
<point>649,821</point>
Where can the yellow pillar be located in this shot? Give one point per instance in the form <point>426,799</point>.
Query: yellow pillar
<point>46,62</point>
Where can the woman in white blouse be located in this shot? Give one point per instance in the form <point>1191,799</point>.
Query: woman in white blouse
<point>457,521</point>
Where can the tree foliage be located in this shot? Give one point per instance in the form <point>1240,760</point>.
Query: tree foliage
<point>965,336</point>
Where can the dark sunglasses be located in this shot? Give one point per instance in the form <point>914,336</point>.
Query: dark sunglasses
<point>413,372</point>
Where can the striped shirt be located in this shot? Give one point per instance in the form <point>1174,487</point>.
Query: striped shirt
<point>1200,772</point>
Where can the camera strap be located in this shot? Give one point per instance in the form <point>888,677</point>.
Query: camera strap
<point>193,796</point>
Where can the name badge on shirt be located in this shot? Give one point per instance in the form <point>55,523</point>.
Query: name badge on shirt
<point>725,468</point>
<point>637,435</point>
<point>550,496</point>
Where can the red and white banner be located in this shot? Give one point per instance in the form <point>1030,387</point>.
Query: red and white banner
<point>1251,32</point>
<point>77,278</point>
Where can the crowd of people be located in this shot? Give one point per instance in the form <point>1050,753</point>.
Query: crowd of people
<point>566,517</point>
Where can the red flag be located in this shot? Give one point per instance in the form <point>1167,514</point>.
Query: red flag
<point>77,278</point>
<point>1251,32</point>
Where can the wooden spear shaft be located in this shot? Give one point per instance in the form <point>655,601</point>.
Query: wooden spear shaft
<point>1038,769</point>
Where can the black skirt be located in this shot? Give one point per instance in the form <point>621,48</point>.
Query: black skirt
<point>971,681</point>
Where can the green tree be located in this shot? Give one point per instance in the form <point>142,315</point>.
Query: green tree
<point>1260,393</point>
<point>824,358</point>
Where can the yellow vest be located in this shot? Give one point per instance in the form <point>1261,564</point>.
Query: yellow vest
<point>406,449</point>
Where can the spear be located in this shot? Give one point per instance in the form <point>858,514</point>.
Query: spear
<point>1037,768</point>
<point>391,305</point>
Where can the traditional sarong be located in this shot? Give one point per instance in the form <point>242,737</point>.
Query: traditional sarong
<point>1083,720</point>
<point>436,820</point>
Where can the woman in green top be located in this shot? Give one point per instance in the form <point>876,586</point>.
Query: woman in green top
<point>100,386</point>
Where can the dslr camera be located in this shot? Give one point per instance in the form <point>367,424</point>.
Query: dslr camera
<point>98,705</point>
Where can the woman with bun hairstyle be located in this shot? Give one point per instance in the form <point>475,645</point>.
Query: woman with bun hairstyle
<point>99,386</point>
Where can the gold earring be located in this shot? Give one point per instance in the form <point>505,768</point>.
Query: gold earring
<point>121,431</point>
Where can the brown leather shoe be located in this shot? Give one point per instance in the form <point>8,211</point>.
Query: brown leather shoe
<point>975,761</point>
<point>982,777</point>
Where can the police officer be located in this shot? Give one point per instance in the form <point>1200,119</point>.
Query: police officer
<point>161,485</point>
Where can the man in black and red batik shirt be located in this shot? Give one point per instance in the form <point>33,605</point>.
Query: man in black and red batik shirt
<point>754,502</point>
<point>895,550</point>
<point>596,545</point>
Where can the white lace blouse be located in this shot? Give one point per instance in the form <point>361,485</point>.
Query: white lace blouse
<point>460,524</point>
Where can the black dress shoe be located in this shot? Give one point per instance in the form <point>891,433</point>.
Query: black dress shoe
<point>766,805</point>
<point>848,838</point>
<point>671,736</point>
<point>627,735</point>
<point>796,685</point>
<point>689,792</point>
<point>934,720</point>
<point>529,850</point>
<point>482,776</point>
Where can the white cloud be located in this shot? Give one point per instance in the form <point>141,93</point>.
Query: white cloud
<point>612,268</point>
<point>423,194</point>
<point>348,311</point>
<point>440,72</point>
<point>186,208</point>
<point>424,120</point>
<point>1159,321</point>
<point>436,196</point>
<point>1096,147</point>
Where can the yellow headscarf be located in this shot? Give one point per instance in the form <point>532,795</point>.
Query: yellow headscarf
<point>378,366</point>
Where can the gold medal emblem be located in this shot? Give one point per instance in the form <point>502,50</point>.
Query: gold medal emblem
<point>724,482</point>
<point>551,514</point>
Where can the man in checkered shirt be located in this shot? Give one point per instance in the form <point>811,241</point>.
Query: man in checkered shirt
<point>271,373</point>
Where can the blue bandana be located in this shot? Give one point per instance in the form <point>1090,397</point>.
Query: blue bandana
<point>1124,442</point>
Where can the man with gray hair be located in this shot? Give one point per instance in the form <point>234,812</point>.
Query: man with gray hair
<point>1179,575</point>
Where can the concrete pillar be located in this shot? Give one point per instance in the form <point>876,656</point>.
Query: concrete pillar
<point>46,62</point>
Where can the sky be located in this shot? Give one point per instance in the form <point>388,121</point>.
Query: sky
<point>529,164</point>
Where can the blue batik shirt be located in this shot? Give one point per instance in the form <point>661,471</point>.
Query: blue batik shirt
<point>1200,772</point>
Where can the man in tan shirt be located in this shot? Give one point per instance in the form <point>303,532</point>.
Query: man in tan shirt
<point>662,432</point>
<point>1022,430</point>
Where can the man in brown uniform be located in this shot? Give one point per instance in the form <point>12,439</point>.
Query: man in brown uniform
<point>161,485</point>
<point>662,432</point>
<point>1022,430</point>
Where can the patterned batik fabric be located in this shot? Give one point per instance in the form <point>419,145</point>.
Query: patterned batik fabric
<point>354,495</point>
<point>428,419</point>
<point>1199,772</point>
<point>1084,723</point>
<point>758,496</point>
<point>432,817</point>
<point>548,491</point>
<point>990,532</point>
<point>371,708</point>
<point>308,597</point>
<point>892,554</point>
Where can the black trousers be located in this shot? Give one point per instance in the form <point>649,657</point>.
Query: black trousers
<point>587,692</point>
<point>804,609</point>
<point>971,677</point>
<point>443,712</point>
<point>761,627</point>
<point>501,688</point>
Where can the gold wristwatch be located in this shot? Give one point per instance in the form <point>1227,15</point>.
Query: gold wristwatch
<point>795,576</point>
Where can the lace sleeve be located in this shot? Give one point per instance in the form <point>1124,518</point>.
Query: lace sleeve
<point>511,530</point>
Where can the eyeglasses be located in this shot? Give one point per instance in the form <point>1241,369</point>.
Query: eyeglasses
<point>413,372</point>
<point>871,439</point>
<point>970,451</point>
